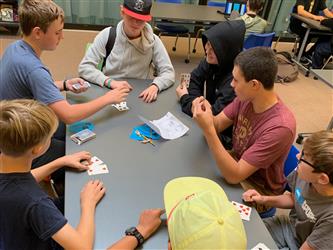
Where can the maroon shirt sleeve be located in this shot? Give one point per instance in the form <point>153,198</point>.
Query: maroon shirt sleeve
<point>231,111</point>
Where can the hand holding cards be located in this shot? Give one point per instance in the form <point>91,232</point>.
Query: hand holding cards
<point>185,79</point>
<point>77,86</point>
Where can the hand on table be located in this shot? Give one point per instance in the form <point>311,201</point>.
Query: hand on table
<point>149,94</point>
<point>92,193</point>
<point>76,160</point>
<point>252,195</point>
<point>149,221</point>
<point>319,18</point>
<point>120,84</point>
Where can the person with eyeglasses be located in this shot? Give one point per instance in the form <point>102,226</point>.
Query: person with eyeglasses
<point>310,221</point>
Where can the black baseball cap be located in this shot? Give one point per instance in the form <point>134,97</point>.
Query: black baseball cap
<point>139,9</point>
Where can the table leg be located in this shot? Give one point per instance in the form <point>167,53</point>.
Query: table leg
<point>300,52</point>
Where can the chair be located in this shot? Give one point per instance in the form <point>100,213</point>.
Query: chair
<point>259,40</point>
<point>171,28</point>
<point>288,33</point>
<point>199,32</point>
<point>289,165</point>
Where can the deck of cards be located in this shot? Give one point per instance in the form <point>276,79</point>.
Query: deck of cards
<point>185,79</point>
<point>97,166</point>
<point>77,86</point>
<point>121,106</point>
<point>243,210</point>
<point>83,136</point>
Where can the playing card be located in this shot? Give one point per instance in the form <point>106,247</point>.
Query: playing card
<point>77,86</point>
<point>121,106</point>
<point>98,169</point>
<point>243,210</point>
<point>185,79</point>
<point>96,161</point>
<point>260,246</point>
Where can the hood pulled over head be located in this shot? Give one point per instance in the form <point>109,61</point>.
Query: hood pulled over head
<point>226,38</point>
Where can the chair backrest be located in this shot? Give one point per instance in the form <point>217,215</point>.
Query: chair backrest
<point>217,4</point>
<point>291,162</point>
<point>259,40</point>
<point>169,1</point>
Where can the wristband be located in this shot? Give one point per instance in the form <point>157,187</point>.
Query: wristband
<point>64,85</point>
<point>107,82</point>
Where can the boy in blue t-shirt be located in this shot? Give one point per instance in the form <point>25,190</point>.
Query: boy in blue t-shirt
<point>28,217</point>
<point>309,224</point>
<point>24,76</point>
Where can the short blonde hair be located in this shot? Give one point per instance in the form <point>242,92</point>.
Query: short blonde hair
<point>38,13</point>
<point>24,124</point>
<point>319,147</point>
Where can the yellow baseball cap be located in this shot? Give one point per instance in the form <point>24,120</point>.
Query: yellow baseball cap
<point>200,216</point>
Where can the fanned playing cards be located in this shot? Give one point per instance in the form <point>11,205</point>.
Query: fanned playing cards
<point>244,211</point>
<point>97,166</point>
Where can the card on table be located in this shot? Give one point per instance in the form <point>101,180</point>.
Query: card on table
<point>97,166</point>
<point>83,136</point>
<point>98,169</point>
<point>121,106</point>
<point>260,246</point>
<point>185,79</point>
<point>243,210</point>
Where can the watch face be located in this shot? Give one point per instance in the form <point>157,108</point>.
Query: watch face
<point>130,231</point>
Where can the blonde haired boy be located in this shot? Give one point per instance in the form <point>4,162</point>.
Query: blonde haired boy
<point>23,74</point>
<point>309,225</point>
<point>29,218</point>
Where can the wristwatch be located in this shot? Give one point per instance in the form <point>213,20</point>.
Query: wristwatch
<point>133,231</point>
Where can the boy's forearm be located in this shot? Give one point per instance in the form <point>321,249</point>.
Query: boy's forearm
<point>127,242</point>
<point>285,201</point>
<point>86,227</point>
<point>59,84</point>
<point>72,113</point>
<point>227,165</point>
<point>44,171</point>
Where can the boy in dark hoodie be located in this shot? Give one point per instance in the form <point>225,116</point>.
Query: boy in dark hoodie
<point>213,75</point>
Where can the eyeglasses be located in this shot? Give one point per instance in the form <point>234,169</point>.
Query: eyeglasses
<point>301,159</point>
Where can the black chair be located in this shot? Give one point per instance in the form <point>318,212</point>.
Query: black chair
<point>172,28</point>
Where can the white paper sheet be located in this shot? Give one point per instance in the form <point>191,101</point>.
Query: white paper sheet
<point>168,127</point>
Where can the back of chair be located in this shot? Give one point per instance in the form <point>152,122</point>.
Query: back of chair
<point>259,40</point>
<point>217,4</point>
<point>169,1</point>
<point>292,161</point>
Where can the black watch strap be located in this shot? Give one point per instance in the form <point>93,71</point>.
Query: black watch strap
<point>133,231</point>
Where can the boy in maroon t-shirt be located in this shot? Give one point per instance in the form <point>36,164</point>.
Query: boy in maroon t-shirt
<point>264,128</point>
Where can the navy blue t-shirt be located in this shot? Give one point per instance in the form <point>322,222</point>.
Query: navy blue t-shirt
<point>28,216</point>
<point>23,75</point>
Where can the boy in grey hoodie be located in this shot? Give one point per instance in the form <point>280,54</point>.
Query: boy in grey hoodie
<point>135,48</point>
